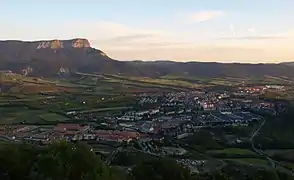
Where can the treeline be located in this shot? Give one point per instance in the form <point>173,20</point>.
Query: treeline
<point>67,161</point>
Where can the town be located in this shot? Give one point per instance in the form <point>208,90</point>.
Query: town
<point>160,124</point>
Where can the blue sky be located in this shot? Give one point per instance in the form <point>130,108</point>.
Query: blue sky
<point>186,30</point>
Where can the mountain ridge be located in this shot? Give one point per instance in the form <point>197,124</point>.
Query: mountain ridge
<point>47,57</point>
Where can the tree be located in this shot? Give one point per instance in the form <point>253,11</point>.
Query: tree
<point>59,161</point>
<point>16,161</point>
<point>160,169</point>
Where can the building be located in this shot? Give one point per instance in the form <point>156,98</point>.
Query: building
<point>207,106</point>
<point>70,127</point>
<point>116,136</point>
<point>174,151</point>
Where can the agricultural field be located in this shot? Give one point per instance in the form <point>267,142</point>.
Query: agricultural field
<point>232,151</point>
<point>53,117</point>
<point>26,115</point>
<point>133,83</point>
<point>289,165</point>
<point>101,83</point>
<point>250,161</point>
<point>15,83</point>
<point>51,107</point>
<point>105,109</point>
<point>20,115</point>
<point>233,81</point>
<point>281,154</point>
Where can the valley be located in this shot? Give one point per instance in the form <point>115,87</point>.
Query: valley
<point>206,117</point>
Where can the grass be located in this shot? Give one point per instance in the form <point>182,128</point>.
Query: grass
<point>29,117</point>
<point>52,117</point>
<point>3,142</point>
<point>105,109</point>
<point>289,165</point>
<point>151,82</point>
<point>24,114</point>
<point>233,151</point>
<point>250,161</point>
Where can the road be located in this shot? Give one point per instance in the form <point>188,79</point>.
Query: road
<point>113,155</point>
<point>258,151</point>
<point>273,162</point>
<point>257,131</point>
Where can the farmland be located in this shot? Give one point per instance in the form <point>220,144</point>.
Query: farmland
<point>47,100</point>
<point>250,161</point>
<point>232,151</point>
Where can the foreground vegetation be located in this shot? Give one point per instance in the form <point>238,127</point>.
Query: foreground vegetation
<point>67,161</point>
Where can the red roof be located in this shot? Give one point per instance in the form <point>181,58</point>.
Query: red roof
<point>113,137</point>
<point>118,134</point>
<point>70,133</point>
<point>70,127</point>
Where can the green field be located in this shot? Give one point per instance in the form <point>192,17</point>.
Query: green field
<point>17,115</point>
<point>250,161</point>
<point>52,117</point>
<point>232,151</point>
<point>23,114</point>
<point>19,108</point>
<point>289,165</point>
<point>105,109</point>
<point>125,84</point>
<point>3,142</point>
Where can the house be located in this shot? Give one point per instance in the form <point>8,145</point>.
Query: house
<point>142,113</point>
<point>274,87</point>
<point>207,106</point>
<point>147,127</point>
<point>174,151</point>
<point>70,127</point>
<point>71,131</point>
<point>117,136</point>
<point>154,111</point>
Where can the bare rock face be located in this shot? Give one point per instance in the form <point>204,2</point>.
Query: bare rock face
<point>81,43</point>
<point>58,44</point>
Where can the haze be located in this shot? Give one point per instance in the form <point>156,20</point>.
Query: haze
<point>188,30</point>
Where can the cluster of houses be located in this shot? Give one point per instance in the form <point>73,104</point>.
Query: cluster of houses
<point>71,132</point>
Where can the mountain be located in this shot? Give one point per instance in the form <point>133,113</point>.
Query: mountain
<point>46,58</point>
<point>213,69</point>
<point>288,63</point>
<point>49,57</point>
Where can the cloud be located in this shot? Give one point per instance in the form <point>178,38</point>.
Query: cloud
<point>133,37</point>
<point>202,16</point>
<point>206,53</point>
<point>127,42</point>
<point>126,37</point>
<point>232,28</point>
<point>95,30</point>
<point>252,38</point>
<point>252,30</point>
<point>101,34</point>
<point>140,42</point>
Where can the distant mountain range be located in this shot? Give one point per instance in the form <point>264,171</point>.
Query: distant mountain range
<point>288,63</point>
<point>47,58</point>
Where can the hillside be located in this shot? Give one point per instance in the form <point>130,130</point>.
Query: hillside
<point>213,69</point>
<point>288,63</point>
<point>47,58</point>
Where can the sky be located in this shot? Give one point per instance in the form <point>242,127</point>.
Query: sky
<point>252,31</point>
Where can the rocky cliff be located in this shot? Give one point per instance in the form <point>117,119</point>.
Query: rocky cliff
<point>52,57</point>
<point>58,44</point>
<point>48,56</point>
